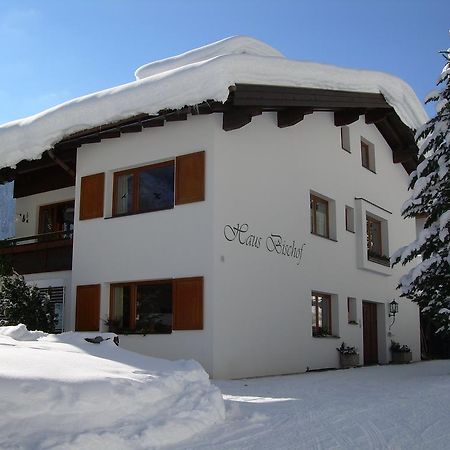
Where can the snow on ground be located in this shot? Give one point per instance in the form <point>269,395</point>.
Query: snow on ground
<point>189,79</point>
<point>370,408</point>
<point>60,392</point>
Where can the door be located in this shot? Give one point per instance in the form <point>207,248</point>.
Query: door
<point>370,335</point>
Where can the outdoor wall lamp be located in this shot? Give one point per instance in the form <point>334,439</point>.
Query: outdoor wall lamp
<point>393,310</point>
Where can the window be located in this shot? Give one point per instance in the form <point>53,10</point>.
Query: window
<point>321,314</point>
<point>374,242</point>
<point>144,189</point>
<point>367,155</point>
<point>156,307</point>
<point>57,219</point>
<point>351,310</point>
<point>56,295</point>
<point>345,138</point>
<point>319,216</point>
<point>377,241</point>
<point>350,219</point>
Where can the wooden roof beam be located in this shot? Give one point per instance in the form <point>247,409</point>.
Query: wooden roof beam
<point>289,117</point>
<point>377,115</point>
<point>237,118</point>
<point>131,128</point>
<point>403,155</point>
<point>347,116</point>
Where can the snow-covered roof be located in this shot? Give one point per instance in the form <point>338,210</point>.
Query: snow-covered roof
<point>189,79</point>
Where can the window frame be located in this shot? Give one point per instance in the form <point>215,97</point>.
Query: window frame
<point>313,200</point>
<point>53,207</point>
<point>133,302</point>
<point>368,154</point>
<point>372,220</point>
<point>135,201</point>
<point>315,328</point>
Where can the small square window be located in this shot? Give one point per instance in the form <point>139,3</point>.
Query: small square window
<point>345,138</point>
<point>367,155</point>
<point>351,310</point>
<point>321,314</point>
<point>350,219</point>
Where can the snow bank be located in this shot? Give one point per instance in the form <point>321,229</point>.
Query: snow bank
<point>58,391</point>
<point>190,79</point>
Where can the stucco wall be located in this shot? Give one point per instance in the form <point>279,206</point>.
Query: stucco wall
<point>264,175</point>
<point>158,245</point>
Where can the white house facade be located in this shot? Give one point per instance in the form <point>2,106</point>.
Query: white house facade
<point>251,234</point>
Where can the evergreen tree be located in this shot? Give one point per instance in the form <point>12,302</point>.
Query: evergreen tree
<point>22,303</point>
<point>428,283</point>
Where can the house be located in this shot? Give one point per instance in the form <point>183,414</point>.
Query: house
<point>230,205</point>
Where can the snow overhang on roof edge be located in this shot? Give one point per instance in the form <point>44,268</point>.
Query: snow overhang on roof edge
<point>190,79</point>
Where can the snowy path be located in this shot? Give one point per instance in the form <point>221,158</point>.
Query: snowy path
<point>383,407</point>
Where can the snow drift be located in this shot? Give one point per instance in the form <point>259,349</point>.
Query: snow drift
<point>59,391</point>
<point>189,79</point>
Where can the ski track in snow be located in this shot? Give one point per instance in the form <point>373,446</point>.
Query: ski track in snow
<point>370,408</point>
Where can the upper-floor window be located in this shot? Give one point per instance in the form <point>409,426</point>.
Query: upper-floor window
<point>374,239</point>
<point>56,220</point>
<point>319,216</point>
<point>367,155</point>
<point>345,138</point>
<point>144,189</point>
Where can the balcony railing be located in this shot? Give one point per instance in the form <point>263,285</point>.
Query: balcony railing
<point>48,252</point>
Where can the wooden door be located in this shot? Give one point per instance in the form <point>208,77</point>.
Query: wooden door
<point>370,335</point>
<point>88,308</point>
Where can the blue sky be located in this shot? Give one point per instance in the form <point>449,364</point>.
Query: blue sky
<point>55,50</point>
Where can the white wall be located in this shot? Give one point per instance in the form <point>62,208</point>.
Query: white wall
<point>156,245</point>
<point>262,313</point>
<point>257,303</point>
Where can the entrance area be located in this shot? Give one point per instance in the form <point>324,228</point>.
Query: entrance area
<point>370,335</point>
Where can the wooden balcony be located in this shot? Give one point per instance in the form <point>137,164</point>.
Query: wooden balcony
<point>49,252</point>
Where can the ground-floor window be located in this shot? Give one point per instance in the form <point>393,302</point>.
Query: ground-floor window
<point>321,314</point>
<point>56,295</point>
<point>143,307</point>
<point>157,306</point>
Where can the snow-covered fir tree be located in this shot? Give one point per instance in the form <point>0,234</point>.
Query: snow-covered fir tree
<point>428,282</point>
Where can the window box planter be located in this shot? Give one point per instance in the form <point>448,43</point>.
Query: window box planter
<point>379,259</point>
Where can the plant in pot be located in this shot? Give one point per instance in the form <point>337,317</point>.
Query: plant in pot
<point>401,354</point>
<point>348,356</point>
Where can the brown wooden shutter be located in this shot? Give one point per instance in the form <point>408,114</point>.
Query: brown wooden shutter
<point>88,308</point>
<point>91,196</point>
<point>188,304</point>
<point>190,178</point>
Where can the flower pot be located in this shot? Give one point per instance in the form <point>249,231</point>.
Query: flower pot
<point>401,357</point>
<point>347,361</point>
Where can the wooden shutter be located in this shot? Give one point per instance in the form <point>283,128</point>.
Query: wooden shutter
<point>91,196</point>
<point>88,308</point>
<point>188,304</point>
<point>190,178</point>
